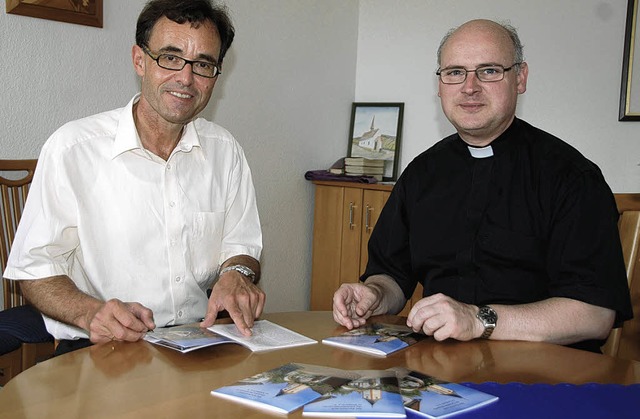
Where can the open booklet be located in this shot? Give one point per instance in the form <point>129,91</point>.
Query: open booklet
<point>378,339</point>
<point>286,388</point>
<point>265,336</point>
<point>427,397</point>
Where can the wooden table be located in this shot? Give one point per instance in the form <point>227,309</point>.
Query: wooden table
<point>140,380</point>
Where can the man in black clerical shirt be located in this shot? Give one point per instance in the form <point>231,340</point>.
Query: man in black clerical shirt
<point>511,231</point>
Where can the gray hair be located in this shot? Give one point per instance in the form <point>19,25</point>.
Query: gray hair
<point>518,49</point>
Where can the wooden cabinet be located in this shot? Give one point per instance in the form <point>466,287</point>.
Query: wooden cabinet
<point>344,216</point>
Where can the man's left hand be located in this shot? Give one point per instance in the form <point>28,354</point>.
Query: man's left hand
<point>443,317</point>
<point>243,300</point>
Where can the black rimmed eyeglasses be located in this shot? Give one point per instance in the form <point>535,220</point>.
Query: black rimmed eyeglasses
<point>486,73</point>
<point>176,63</point>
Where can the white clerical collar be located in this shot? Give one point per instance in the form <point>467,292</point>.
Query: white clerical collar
<point>481,152</point>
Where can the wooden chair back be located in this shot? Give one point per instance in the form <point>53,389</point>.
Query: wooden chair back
<point>624,342</point>
<point>15,179</point>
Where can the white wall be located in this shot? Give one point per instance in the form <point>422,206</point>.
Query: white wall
<point>287,99</point>
<point>286,93</point>
<point>574,50</point>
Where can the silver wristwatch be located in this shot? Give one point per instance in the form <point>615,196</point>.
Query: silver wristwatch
<point>489,319</point>
<point>244,270</point>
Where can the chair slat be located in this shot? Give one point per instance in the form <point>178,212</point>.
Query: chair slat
<point>14,188</point>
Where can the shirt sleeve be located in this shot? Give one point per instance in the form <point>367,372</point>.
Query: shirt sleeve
<point>242,232</point>
<point>585,259</point>
<point>388,247</point>
<point>47,232</point>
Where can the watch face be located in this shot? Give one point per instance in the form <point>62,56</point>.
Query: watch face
<point>243,271</point>
<point>488,315</point>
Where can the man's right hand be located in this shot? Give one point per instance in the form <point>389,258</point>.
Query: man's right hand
<point>354,303</point>
<point>117,320</point>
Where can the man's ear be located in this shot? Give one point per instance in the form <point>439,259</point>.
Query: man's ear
<point>523,75</point>
<point>137,57</point>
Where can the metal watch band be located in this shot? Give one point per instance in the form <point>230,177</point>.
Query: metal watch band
<point>244,270</point>
<point>488,330</point>
<point>489,319</point>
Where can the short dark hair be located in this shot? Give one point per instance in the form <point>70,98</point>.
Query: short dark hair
<point>195,12</point>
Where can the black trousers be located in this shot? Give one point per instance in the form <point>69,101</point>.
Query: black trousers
<point>65,346</point>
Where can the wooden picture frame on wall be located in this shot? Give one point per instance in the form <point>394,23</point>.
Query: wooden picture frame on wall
<point>81,12</point>
<point>376,133</point>
<point>630,90</point>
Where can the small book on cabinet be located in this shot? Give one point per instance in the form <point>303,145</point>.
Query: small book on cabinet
<point>265,336</point>
<point>363,170</point>
<point>379,339</point>
<point>362,161</point>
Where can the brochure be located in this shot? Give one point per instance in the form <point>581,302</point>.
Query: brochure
<point>266,336</point>
<point>185,338</point>
<point>427,397</point>
<point>286,388</point>
<point>379,339</point>
<point>374,394</point>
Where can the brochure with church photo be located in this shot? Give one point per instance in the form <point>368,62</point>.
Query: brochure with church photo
<point>286,388</point>
<point>185,338</point>
<point>427,397</point>
<point>379,339</point>
<point>265,336</point>
<point>374,394</point>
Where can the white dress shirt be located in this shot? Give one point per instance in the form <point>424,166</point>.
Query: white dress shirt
<point>123,223</point>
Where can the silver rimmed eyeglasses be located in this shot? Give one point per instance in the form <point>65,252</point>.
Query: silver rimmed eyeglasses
<point>173,62</point>
<point>486,73</point>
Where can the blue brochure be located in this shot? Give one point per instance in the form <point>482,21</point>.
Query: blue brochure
<point>427,397</point>
<point>286,388</point>
<point>377,339</point>
<point>373,395</point>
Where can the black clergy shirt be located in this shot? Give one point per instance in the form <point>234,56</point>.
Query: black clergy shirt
<point>527,219</point>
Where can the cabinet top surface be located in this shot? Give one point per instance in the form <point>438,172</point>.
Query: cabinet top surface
<point>376,186</point>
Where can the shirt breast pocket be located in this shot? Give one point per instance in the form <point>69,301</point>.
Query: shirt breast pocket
<point>512,247</point>
<point>207,230</point>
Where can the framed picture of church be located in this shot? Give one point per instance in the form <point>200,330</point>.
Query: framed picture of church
<point>375,134</point>
<point>81,12</point>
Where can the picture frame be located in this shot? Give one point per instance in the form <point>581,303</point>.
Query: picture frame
<point>376,133</point>
<point>630,86</point>
<point>81,12</point>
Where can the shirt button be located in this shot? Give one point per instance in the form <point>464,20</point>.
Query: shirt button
<point>180,313</point>
<point>178,279</point>
<point>172,204</point>
<point>168,167</point>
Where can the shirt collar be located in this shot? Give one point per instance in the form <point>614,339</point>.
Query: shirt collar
<point>481,152</point>
<point>127,138</point>
<point>498,146</point>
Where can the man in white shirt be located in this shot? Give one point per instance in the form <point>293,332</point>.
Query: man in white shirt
<point>135,213</point>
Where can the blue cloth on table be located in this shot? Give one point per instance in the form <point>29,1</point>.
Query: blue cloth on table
<point>524,401</point>
<point>24,324</point>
